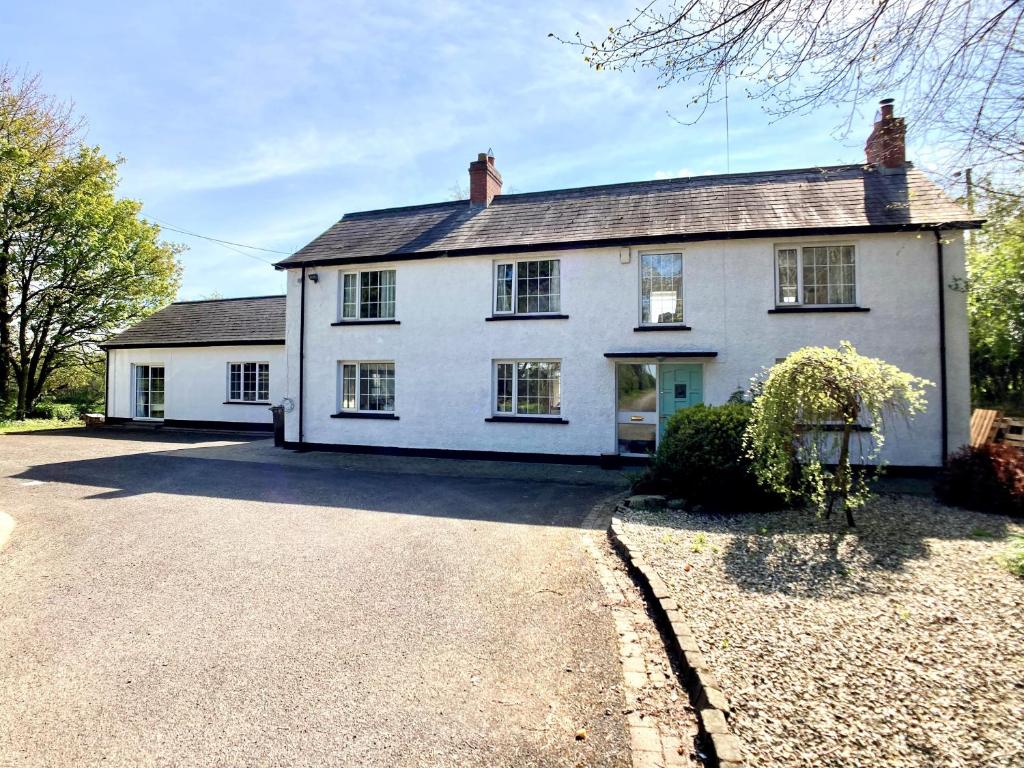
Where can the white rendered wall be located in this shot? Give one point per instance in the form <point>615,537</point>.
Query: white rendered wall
<point>443,347</point>
<point>195,381</point>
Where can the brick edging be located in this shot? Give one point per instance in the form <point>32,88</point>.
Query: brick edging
<point>705,691</point>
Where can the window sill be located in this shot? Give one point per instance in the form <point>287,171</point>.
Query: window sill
<point>665,327</point>
<point>367,322</point>
<point>526,317</point>
<point>798,310</point>
<point>526,419</point>
<point>246,402</point>
<point>361,415</point>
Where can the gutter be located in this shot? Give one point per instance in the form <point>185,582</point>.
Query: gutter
<point>182,344</point>
<point>944,402</point>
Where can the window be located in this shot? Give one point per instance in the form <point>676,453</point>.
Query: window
<point>527,287</point>
<point>249,382</point>
<point>368,295</point>
<point>661,288</point>
<point>528,388</point>
<point>368,387</point>
<point>816,275</point>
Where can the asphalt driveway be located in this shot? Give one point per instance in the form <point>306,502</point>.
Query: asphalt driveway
<point>183,600</point>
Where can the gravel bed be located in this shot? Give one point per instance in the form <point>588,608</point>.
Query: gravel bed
<point>900,644</point>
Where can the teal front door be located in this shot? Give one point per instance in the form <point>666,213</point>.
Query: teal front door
<point>680,385</point>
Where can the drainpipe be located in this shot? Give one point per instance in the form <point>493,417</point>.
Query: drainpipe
<point>106,385</point>
<point>944,404</point>
<point>302,348</point>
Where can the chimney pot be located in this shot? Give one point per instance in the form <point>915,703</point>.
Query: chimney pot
<point>484,180</point>
<point>886,146</point>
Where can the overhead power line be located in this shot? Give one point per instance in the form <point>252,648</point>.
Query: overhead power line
<point>230,245</point>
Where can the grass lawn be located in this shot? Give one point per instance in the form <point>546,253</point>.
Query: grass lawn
<point>898,644</point>
<point>36,425</point>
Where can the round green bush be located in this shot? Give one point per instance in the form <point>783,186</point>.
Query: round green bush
<point>701,459</point>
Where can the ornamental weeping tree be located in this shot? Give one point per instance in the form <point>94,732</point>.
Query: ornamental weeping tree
<point>808,412</point>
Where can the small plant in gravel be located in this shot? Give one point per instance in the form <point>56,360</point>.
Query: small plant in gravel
<point>806,414</point>
<point>1013,560</point>
<point>699,543</point>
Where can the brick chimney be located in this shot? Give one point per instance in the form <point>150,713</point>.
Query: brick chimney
<point>484,180</point>
<point>886,146</point>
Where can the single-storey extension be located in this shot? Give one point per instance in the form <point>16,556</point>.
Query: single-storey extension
<point>215,364</point>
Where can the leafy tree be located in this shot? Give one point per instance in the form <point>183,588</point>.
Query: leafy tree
<point>77,263</point>
<point>995,302</point>
<point>34,131</point>
<point>809,409</point>
<point>958,66</point>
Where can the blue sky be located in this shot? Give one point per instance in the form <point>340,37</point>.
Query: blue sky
<point>263,122</point>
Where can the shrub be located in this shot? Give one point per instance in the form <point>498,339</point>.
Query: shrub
<point>59,411</point>
<point>988,478</point>
<point>701,458</point>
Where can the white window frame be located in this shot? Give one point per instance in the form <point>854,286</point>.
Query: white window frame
<point>358,317</point>
<point>514,413</point>
<point>229,399</point>
<point>640,288</point>
<point>358,390</point>
<point>134,392</point>
<point>799,248</point>
<point>515,285</point>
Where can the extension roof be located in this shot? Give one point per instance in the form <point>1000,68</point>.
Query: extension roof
<point>209,323</point>
<point>841,199</point>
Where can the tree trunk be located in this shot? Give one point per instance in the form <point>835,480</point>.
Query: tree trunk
<point>5,335</point>
<point>841,482</point>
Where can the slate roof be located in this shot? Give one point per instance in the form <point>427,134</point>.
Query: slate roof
<point>215,322</point>
<point>844,199</point>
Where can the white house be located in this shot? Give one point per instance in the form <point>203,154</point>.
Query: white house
<point>217,363</point>
<point>569,325</point>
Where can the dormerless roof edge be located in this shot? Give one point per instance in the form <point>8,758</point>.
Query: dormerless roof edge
<point>222,343</point>
<point>623,241</point>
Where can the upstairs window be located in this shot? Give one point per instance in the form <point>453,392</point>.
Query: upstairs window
<point>528,388</point>
<point>368,387</point>
<point>368,295</point>
<point>661,288</point>
<point>527,287</point>
<point>249,382</point>
<point>816,275</point>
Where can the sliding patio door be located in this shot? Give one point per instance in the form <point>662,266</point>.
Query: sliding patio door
<point>149,391</point>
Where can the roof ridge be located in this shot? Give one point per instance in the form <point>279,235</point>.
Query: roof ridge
<point>452,203</point>
<point>233,298</point>
<point>619,185</point>
<point>710,176</point>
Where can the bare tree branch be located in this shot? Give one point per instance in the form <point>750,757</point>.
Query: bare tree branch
<point>957,66</point>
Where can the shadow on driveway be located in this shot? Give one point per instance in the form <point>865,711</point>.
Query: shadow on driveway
<point>255,471</point>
